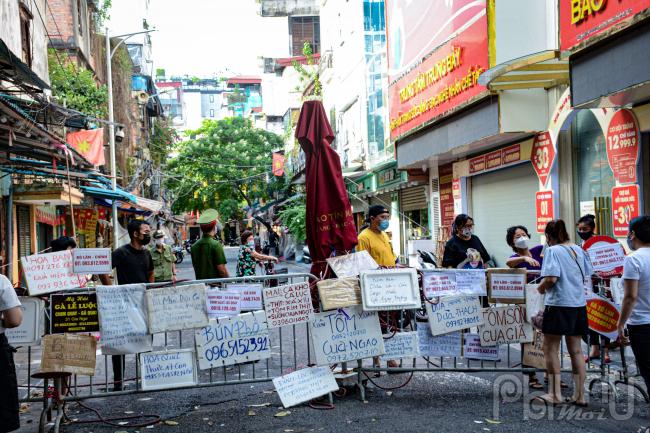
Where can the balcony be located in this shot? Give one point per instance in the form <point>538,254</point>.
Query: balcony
<point>283,8</point>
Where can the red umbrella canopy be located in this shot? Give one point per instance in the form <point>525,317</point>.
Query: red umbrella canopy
<point>330,226</point>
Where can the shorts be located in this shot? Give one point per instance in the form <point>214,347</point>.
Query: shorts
<point>570,321</point>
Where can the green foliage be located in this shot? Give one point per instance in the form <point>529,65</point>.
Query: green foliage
<point>293,217</point>
<point>102,12</point>
<point>160,72</point>
<point>228,159</point>
<point>230,209</point>
<point>162,141</point>
<point>77,87</point>
<point>307,76</point>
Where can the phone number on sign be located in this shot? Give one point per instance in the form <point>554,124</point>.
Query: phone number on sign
<point>237,347</point>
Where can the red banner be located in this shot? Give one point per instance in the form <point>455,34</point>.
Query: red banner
<point>278,164</point>
<point>625,207</point>
<point>581,20</point>
<point>48,215</point>
<point>89,143</point>
<point>544,209</point>
<point>623,146</point>
<point>543,156</point>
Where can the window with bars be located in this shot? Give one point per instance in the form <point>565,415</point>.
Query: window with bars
<point>23,222</point>
<point>304,29</point>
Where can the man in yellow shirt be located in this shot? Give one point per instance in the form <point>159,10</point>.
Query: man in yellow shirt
<point>375,240</point>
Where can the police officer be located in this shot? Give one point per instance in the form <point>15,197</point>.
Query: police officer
<point>208,257</point>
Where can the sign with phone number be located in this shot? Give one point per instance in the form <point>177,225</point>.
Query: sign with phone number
<point>625,207</point>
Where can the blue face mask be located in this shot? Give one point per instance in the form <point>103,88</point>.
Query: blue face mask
<point>630,244</point>
<point>383,226</point>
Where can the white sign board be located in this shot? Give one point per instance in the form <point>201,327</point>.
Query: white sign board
<point>390,289</point>
<point>92,261</point>
<point>534,302</point>
<point>123,319</point>
<point>304,385</point>
<point>51,272</point>
<point>31,329</point>
<point>233,340</point>
<point>441,345</point>
<point>401,345</point>
<point>222,303</point>
<point>454,282</point>
<point>351,265</point>
<point>176,308</point>
<point>507,286</point>
<point>288,305</point>
<point>473,349</point>
<point>504,325</point>
<point>454,313</point>
<point>167,369</point>
<point>251,295</point>
<point>606,257</point>
<point>617,289</point>
<point>345,335</point>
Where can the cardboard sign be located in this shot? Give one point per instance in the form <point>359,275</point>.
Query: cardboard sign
<point>304,385</point>
<point>618,290</point>
<point>288,305</point>
<point>346,335</point>
<point>52,272</point>
<point>533,353</point>
<point>625,207</point>
<point>167,369</point>
<point>123,319</point>
<point>338,293</point>
<point>507,286</point>
<point>454,313</point>
<point>233,340</point>
<point>473,349</point>
<point>351,265</point>
<point>505,325</point>
<point>92,261</point>
<point>176,308</point>
<point>534,302</point>
<point>602,315</point>
<point>401,345</point>
<point>606,255</point>
<point>222,303</point>
<point>454,282</point>
<point>544,212</point>
<point>69,353</point>
<point>441,345</point>
<point>251,296</point>
<point>623,144</point>
<point>390,289</point>
<point>74,312</point>
<point>31,328</point>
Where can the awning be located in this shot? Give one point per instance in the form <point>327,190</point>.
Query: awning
<point>14,70</point>
<point>152,205</point>
<point>121,206</point>
<point>538,70</point>
<point>108,193</point>
<point>47,193</point>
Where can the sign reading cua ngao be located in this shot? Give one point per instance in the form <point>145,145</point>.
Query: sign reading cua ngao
<point>436,52</point>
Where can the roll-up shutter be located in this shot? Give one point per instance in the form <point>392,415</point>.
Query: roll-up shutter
<point>24,232</point>
<point>414,199</point>
<point>382,199</point>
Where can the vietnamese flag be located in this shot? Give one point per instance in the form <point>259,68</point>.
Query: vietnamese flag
<point>89,143</point>
<point>278,164</point>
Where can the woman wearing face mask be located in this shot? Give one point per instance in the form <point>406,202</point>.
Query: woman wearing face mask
<point>585,227</point>
<point>464,250</point>
<point>248,257</point>
<point>525,256</point>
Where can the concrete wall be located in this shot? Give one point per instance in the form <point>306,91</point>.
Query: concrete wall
<point>63,27</point>
<point>280,8</point>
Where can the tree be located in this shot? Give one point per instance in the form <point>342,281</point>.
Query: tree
<point>228,160</point>
<point>162,141</point>
<point>293,216</point>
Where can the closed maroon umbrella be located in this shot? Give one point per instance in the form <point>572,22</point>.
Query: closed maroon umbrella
<point>330,226</point>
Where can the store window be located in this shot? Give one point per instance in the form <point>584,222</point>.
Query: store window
<point>593,179</point>
<point>417,224</point>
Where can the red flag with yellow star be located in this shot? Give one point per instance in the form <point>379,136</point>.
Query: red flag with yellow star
<point>89,143</point>
<point>278,164</point>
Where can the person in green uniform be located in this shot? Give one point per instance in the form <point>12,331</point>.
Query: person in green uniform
<point>163,259</point>
<point>208,257</point>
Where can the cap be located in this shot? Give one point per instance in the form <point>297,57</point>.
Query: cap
<point>158,234</point>
<point>377,210</point>
<point>208,216</point>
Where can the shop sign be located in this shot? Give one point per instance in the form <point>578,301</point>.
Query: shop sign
<point>74,313</point>
<point>494,160</point>
<point>543,156</point>
<point>477,164</point>
<point>623,146</point>
<point>447,194</point>
<point>544,209</point>
<point>625,207</point>
<point>436,52</point>
<point>48,215</point>
<point>455,189</point>
<point>581,20</point>
<point>384,177</point>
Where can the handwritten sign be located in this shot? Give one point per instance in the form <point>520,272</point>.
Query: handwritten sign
<point>233,340</point>
<point>507,285</point>
<point>251,296</point>
<point>390,289</point>
<point>533,352</point>
<point>345,335</point>
<point>454,313</point>
<point>222,303</point>
<point>167,369</point>
<point>52,272</point>
<point>288,305</point>
<point>602,316</point>
<point>74,313</point>
<point>454,282</point>
<point>504,325</point>
<point>123,319</point>
<point>304,385</point>
<point>617,289</point>
<point>176,308</point>
<point>91,261</point>
<point>534,302</point>
<point>69,353</point>
<point>607,258</point>
<point>338,293</point>
<point>474,350</point>
<point>351,265</point>
<point>441,345</point>
<point>401,345</point>
<point>31,328</point>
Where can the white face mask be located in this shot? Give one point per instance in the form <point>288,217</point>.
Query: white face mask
<point>522,242</point>
<point>160,241</point>
<point>467,232</point>
<point>251,244</point>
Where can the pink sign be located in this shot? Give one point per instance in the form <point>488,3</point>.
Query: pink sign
<point>623,146</point>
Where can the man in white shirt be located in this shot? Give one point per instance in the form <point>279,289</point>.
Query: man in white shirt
<point>11,315</point>
<point>635,308</point>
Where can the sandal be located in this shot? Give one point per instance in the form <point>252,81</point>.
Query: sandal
<point>576,403</point>
<point>546,402</point>
<point>535,384</point>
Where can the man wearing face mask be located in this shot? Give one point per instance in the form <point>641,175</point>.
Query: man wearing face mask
<point>208,256</point>
<point>460,248</point>
<point>374,239</point>
<point>163,259</point>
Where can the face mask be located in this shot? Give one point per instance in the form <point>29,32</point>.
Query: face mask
<point>630,244</point>
<point>585,235</point>
<point>466,232</point>
<point>522,242</point>
<point>146,239</point>
<point>251,244</point>
<point>384,225</point>
<point>159,241</point>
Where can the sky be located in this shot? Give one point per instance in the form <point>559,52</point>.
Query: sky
<point>204,37</point>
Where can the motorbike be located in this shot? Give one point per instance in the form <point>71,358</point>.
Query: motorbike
<point>187,245</point>
<point>426,260</point>
<point>178,254</point>
<point>306,257</point>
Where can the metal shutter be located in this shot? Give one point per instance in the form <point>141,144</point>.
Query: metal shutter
<point>24,233</point>
<point>382,199</point>
<point>501,199</point>
<point>414,199</point>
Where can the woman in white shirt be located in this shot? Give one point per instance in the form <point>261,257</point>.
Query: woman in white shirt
<point>11,315</point>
